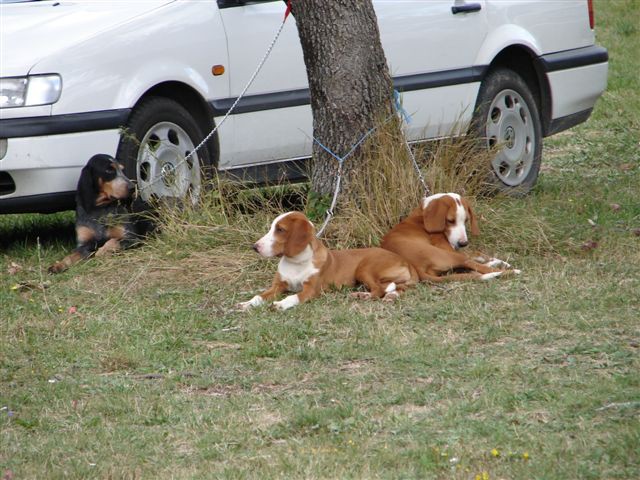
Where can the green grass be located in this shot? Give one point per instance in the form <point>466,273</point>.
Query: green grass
<point>155,375</point>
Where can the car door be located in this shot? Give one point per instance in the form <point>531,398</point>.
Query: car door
<point>431,47</point>
<point>273,121</point>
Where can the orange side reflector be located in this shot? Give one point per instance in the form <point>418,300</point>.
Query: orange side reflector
<point>217,70</point>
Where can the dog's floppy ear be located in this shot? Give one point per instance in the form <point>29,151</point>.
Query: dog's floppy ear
<point>300,236</point>
<point>87,188</point>
<point>472,218</point>
<point>434,216</point>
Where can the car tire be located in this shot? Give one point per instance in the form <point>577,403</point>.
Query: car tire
<point>507,114</point>
<point>158,136</point>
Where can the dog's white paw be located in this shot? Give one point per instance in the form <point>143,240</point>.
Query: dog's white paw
<point>391,296</point>
<point>361,295</point>
<point>254,302</point>
<point>489,276</point>
<point>287,302</point>
<point>496,262</point>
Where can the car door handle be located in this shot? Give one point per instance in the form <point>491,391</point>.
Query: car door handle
<point>466,8</point>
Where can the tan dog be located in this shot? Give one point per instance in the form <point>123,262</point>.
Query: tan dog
<point>431,235</point>
<point>309,268</point>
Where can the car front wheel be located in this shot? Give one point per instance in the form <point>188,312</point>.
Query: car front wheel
<point>507,117</point>
<point>155,149</point>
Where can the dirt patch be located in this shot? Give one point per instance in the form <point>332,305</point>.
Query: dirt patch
<point>412,411</point>
<point>214,390</point>
<point>233,390</point>
<point>355,365</point>
<point>263,418</point>
<point>217,345</point>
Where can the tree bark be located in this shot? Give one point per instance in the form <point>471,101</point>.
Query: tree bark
<point>349,81</point>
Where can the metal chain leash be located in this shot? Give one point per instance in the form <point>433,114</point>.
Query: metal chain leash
<point>330,212</point>
<point>427,190</point>
<point>406,119</point>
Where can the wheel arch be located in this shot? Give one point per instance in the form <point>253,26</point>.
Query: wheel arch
<point>522,60</point>
<point>194,103</point>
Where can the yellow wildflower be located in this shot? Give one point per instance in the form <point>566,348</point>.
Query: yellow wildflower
<point>495,452</point>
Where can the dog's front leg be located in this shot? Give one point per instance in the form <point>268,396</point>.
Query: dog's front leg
<point>111,246</point>
<point>86,245</point>
<point>78,254</point>
<point>277,287</point>
<point>488,260</point>
<point>310,289</point>
<point>116,235</point>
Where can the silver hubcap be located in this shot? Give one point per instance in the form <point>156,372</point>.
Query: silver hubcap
<point>510,124</point>
<point>161,169</point>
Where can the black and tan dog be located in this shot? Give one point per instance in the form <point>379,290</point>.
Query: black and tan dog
<point>107,217</point>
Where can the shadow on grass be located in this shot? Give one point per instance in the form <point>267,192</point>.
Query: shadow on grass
<point>18,232</point>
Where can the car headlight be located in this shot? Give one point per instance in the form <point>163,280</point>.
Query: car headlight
<point>29,91</point>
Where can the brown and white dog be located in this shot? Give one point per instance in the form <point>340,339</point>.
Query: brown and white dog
<point>430,237</point>
<point>309,268</point>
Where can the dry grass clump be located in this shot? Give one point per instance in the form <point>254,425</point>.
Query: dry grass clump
<point>211,241</point>
<point>511,226</point>
<point>458,164</point>
<point>386,187</point>
<point>227,214</point>
<point>381,190</point>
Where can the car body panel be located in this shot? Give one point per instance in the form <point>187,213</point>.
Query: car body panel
<point>577,89</point>
<point>249,31</point>
<point>64,26</point>
<point>50,163</point>
<point>505,36</point>
<point>556,25</point>
<point>411,33</point>
<point>118,81</point>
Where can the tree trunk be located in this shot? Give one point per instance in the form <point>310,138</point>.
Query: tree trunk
<point>349,81</point>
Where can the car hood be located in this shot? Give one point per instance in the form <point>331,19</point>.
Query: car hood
<point>30,32</point>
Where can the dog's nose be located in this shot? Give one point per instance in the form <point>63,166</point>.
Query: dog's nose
<point>256,248</point>
<point>463,243</point>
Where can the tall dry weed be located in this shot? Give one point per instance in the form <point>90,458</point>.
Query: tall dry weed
<point>386,187</point>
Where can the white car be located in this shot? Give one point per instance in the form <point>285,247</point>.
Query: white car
<point>146,80</point>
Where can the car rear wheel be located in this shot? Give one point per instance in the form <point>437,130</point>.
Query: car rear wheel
<point>507,116</point>
<point>155,148</point>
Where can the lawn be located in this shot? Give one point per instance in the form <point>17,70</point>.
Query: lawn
<point>139,367</point>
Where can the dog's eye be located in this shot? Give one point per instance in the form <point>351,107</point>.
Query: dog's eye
<point>279,230</point>
<point>449,221</point>
<point>111,170</point>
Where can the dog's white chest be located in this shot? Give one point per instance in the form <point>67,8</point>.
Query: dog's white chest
<point>297,270</point>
